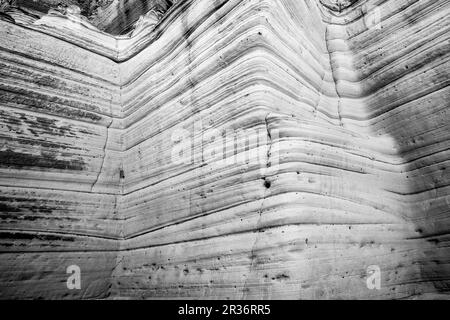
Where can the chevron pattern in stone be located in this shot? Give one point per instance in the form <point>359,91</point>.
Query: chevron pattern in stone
<point>261,149</point>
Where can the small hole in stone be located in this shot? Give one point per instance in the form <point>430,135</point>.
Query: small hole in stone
<point>267,184</point>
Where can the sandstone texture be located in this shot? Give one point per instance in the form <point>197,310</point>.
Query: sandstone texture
<point>226,149</point>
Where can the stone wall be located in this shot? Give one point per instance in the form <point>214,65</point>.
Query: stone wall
<point>58,167</point>
<point>235,149</point>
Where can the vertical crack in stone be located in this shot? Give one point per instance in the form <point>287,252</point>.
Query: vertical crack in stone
<point>258,222</point>
<point>115,205</point>
<point>316,105</point>
<point>104,155</point>
<point>335,80</point>
<point>118,263</point>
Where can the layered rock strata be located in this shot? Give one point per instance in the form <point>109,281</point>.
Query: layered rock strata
<point>112,16</point>
<point>227,149</point>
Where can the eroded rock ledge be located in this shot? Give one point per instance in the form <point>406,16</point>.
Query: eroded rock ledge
<point>337,5</point>
<point>112,16</point>
<point>328,155</point>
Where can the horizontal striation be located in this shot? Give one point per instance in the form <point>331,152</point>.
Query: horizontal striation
<point>314,137</point>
